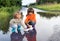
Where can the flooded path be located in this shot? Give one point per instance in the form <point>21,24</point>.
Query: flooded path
<point>45,27</point>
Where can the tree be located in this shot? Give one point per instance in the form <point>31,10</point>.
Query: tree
<point>45,1</point>
<point>9,3</point>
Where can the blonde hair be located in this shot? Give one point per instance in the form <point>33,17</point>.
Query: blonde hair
<point>14,15</point>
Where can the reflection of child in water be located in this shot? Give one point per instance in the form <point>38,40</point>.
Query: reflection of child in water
<point>30,21</point>
<point>16,22</point>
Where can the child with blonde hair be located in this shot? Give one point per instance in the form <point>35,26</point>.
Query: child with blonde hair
<point>17,22</point>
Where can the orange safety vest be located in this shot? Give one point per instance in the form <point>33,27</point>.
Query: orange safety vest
<point>31,17</point>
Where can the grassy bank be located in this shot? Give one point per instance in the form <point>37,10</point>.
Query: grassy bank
<point>52,9</point>
<point>5,16</point>
<point>48,7</point>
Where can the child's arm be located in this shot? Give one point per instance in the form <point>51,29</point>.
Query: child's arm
<point>31,28</point>
<point>22,23</point>
<point>11,22</point>
<point>26,20</point>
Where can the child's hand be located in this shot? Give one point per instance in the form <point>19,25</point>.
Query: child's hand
<point>26,30</point>
<point>28,25</point>
<point>31,28</point>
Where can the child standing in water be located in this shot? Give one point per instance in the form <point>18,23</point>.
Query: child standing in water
<point>30,18</point>
<point>31,21</point>
<point>16,22</point>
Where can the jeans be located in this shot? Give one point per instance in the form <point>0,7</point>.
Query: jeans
<point>16,28</point>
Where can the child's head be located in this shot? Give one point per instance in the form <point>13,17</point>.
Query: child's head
<point>30,11</point>
<point>18,15</point>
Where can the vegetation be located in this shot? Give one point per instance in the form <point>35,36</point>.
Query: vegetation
<point>6,14</point>
<point>47,1</point>
<point>10,3</point>
<point>48,7</point>
<point>52,10</point>
<point>7,8</point>
<point>51,6</point>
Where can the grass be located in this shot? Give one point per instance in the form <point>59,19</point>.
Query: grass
<point>5,16</point>
<point>48,7</point>
<point>52,9</point>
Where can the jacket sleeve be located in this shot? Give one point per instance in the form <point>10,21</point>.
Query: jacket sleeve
<point>11,22</point>
<point>23,24</point>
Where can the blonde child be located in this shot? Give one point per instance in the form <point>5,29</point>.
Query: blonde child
<point>17,22</point>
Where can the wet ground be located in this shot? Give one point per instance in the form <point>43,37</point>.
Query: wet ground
<point>46,28</point>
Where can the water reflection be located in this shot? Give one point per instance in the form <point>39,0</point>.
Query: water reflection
<point>45,27</point>
<point>4,37</point>
<point>47,15</point>
<point>56,35</point>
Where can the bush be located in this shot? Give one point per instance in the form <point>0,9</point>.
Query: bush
<point>10,3</point>
<point>47,1</point>
<point>5,16</point>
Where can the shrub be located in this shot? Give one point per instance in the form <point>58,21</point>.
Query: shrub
<point>5,16</point>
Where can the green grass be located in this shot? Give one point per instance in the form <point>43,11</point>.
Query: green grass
<point>6,13</point>
<point>48,7</point>
<point>52,9</point>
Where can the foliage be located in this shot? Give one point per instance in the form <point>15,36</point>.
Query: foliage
<point>47,1</point>
<point>6,13</point>
<point>10,3</point>
<point>48,7</point>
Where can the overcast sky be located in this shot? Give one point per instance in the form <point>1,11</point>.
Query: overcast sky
<point>27,2</point>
